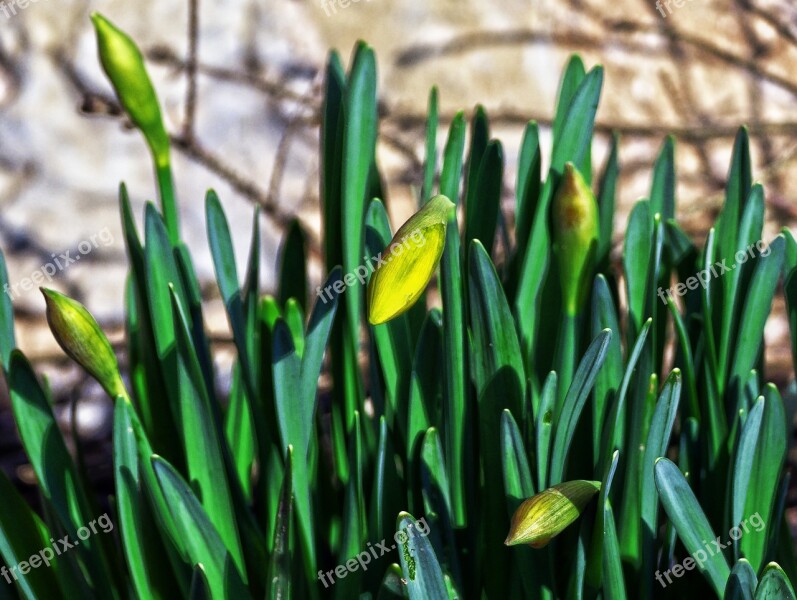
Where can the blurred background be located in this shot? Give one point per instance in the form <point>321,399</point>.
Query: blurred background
<point>240,80</point>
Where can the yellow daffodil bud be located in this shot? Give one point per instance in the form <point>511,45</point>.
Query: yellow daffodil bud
<point>123,63</point>
<point>575,229</point>
<point>81,338</point>
<point>547,514</point>
<point>406,266</point>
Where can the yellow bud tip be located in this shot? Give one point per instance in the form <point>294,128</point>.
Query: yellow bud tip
<point>408,262</point>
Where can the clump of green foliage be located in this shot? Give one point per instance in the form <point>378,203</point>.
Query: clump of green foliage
<point>524,422</point>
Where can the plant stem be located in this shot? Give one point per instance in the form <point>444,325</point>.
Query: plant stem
<point>163,171</point>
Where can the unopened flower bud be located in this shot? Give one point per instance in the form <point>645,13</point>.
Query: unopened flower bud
<point>123,63</point>
<point>410,261</point>
<point>81,338</point>
<point>575,231</point>
<point>548,513</point>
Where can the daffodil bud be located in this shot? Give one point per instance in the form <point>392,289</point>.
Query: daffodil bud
<point>80,336</point>
<point>409,261</point>
<point>575,228</point>
<point>123,63</point>
<point>547,514</point>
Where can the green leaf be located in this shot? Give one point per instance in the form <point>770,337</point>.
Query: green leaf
<point>737,191</point>
<point>687,363</point>
<point>479,137</point>
<point>544,428</point>
<point>756,310</point>
<point>613,583</point>
<point>430,160</point>
<point>496,349</point>
<point>55,471</point>
<point>359,144</point>
<point>500,383</point>
<point>636,263</point>
<point>527,190</point>
<point>533,272</point>
<point>387,491</point>
<point>143,551</point>
<point>238,432</point>
<point>749,232</point>
<point>568,413</point>
<point>518,485</point>
<point>22,535</point>
<point>658,441</point>
<point>614,429</point>
<point>198,538</point>
<point>759,462</point>
<point>293,266</point>
<point>690,522</point>
<point>662,193</point>
<point>572,77</point>
<point>200,589</point>
<point>419,565</point>
<point>774,585</point>
<point>204,442</point>
<point>227,277</point>
<point>607,200</point>
<point>436,494</point>
<point>279,568</point>
<point>484,205</point>
<point>425,386</point>
<point>355,527</point>
<point>742,582</point>
<point>7,339</point>
<point>454,340</point>
<point>596,561</point>
<point>604,316</point>
<point>572,143</point>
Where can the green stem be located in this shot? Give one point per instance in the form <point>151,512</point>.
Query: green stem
<point>566,349</point>
<point>163,171</point>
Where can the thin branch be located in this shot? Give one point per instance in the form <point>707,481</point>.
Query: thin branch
<point>190,69</point>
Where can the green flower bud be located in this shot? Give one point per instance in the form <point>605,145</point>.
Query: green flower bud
<point>123,63</point>
<point>81,338</point>
<point>547,514</point>
<point>575,231</point>
<point>410,261</point>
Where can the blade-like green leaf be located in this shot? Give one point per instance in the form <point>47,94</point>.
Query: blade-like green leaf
<point>774,585</point>
<point>657,443</point>
<point>742,582</point>
<point>419,565</point>
<point>454,340</point>
<point>568,414</point>
<point>690,522</point>
<point>279,568</point>
<point>197,536</point>
<point>59,480</point>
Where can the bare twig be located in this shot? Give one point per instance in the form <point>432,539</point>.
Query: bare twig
<point>190,69</point>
